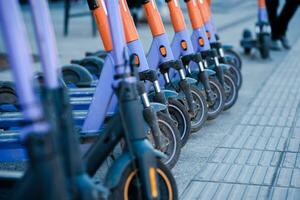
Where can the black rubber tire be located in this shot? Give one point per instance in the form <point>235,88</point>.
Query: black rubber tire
<point>231,96</point>
<point>7,93</point>
<point>215,109</point>
<point>237,58</point>
<point>169,131</point>
<point>264,47</point>
<point>200,116</point>
<point>127,189</point>
<point>236,75</point>
<point>180,114</point>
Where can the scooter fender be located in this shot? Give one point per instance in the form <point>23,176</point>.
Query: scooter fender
<point>225,67</point>
<point>158,106</point>
<point>190,80</point>
<point>118,168</point>
<point>210,72</point>
<point>169,93</point>
<point>227,46</point>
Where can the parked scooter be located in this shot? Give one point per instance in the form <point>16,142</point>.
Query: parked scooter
<point>263,34</point>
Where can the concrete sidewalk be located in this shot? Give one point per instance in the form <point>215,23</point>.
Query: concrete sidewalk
<point>259,158</point>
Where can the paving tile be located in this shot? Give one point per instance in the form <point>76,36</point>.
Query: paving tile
<point>284,177</point>
<point>220,172</point>
<point>289,160</point>
<point>193,191</point>
<point>266,158</point>
<point>207,171</point>
<point>293,145</point>
<point>233,173</point>
<point>297,164</point>
<point>259,175</point>
<point>246,174</point>
<point>209,191</point>
<point>281,144</point>
<point>279,193</point>
<point>293,194</point>
<point>251,193</point>
<point>243,156</point>
<point>219,155</point>
<point>254,157</point>
<point>237,191</point>
<point>296,178</point>
<point>223,192</point>
<point>231,156</point>
<point>296,133</point>
<point>263,193</point>
<point>269,176</point>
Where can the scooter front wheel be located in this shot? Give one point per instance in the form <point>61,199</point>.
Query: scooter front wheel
<point>215,107</point>
<point>181,117</point>
<point>200,116</point>
<point>170,143</point>
<point>129,186</point>
<point>231,92</point>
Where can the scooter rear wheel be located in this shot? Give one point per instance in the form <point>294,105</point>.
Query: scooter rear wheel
<point>200,115</point>
<point>216,107</point>
<point>170,143</point>
<point>181,116</point>
<point>231,93</point>
<point>129,186</point>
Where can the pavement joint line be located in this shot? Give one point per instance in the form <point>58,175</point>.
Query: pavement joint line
<point>268,150</point>
<point>246,184</point>
<point>256,125</point>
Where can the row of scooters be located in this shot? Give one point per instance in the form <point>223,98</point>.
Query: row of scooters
<point>148,105</point>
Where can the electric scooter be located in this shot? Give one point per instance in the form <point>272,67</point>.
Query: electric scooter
<point>263,33</point>
<point>146,178</point>
<point>201,44</point>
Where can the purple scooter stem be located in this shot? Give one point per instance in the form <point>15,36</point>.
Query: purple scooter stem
<point>47,47</point>
<point>21,64</point>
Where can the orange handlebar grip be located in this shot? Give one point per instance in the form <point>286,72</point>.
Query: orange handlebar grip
<point>131,33</point>
<point>103,26</point>
<point>261,3</point>
<point>194,14</point>
<point>176,16</point>
<point>154,20</point>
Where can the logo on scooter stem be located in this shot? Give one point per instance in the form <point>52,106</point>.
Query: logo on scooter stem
<point>183,45</point>
<point>163,51</point>
<point>201,41</point>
